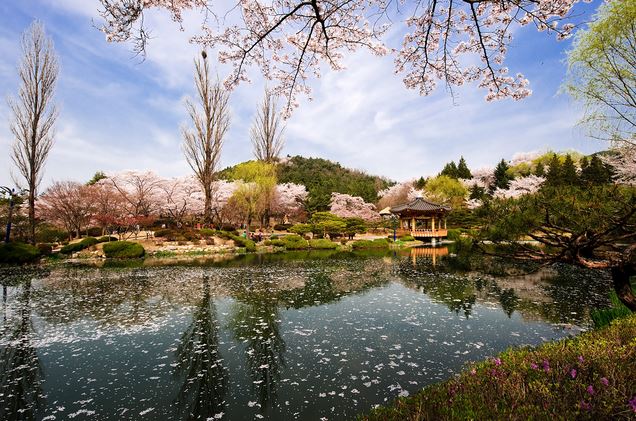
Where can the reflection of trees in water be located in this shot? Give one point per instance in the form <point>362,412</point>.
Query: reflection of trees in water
<point>20,369</point>
<point>255,321</point>
<point>202,394</point>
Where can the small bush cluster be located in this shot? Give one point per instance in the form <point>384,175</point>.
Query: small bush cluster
<point>291,242</point>
<point>79,246</point>
<point>18,253</point>
<point>282,227</point>
<point>378,243</point>
<point>406,238</point>
<point>603,317</point>
<point>322,244</point>
<point>45,248</point>
<point>106,239</point>
<point>591,376</point>
<point>123,250</point>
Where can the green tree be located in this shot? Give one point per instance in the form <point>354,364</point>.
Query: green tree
<point>99,175</point>
<point>450,170</point>
<point>539,170</point>
<point>591,226</point>
<point>502,178</point>
<point>255,192</point>
<point>568,172</point>
<point>324,223</point>
<point>462,169</point>
<point>420,183</point>
<point>596,172</point>
<point>553,176</point>
<point>601,72</point>
<point>355,226</point>
<point>446,190</point>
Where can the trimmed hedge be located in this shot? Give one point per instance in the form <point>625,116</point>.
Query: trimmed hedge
<point>45,248</point>
<point>123,250</point>
<point>378,243</point>
<point>294,242</point>
<point>322,244</point>
<point>75,247</point>
<point>106,239</point>
<point>18,253</point>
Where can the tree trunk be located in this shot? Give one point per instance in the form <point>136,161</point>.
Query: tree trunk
<point>32,216</point>
<point>621,277</point>
<point>207,208</point>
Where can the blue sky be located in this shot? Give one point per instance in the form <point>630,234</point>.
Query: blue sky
<point>120,113</point>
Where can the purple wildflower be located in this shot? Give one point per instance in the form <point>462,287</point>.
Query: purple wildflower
<point>581,358</point>
<point>473,372</point>
<point>573,373</point>
<point>546,366</point>
<point>632,403</point>
<point>497,361</point>
<point>533,366</point>
<point>586,406</point>
<point>590,389</point>
<point>604,381</point>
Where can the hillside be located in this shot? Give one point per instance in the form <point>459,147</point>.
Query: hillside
<point>322,177</point>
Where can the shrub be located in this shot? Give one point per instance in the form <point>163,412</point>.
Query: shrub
<point>379,243</point>
<point>278,243</point>
<point>75,247</point>
<point>282,227</point>
<point>273,237</point>
<point>300,229</point>
<point>45,248</point>
<point>591,376</point>
<point>454,234</point>
<point>123,250</point>
<point>295,242</point>
<point>243,242</point>
<point>18,253</point>
<point>106,239</point>
<point>94,232</point>
<point>228,228</point>
<point>407,238</point>
<point>207,232</point>
<point>50,235</point>
<point>322,244</point>
<point>164,233</point>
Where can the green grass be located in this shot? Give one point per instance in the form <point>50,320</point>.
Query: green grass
<point>123,250</point>
<point>591,376</point>
<point>18,253</point>
<point>603,317</point>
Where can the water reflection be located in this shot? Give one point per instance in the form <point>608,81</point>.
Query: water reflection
<point>199,363</point>
<point>255,321</point>
<point>277,336</point>
<point>21,373</point>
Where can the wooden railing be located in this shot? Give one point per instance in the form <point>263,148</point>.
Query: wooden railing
<point>421,233</point>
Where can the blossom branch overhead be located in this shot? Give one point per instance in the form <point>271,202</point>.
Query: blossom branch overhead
<point>290,41</point>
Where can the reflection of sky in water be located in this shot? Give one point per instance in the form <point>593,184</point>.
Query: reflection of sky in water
<point>281,339</point>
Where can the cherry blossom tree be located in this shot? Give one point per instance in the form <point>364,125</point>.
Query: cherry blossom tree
<point>67,204</point>
<point>139,191</point>
<point>180,197</point>
<point>290,41</point>
<point>623,163</point>
<point>396,194</point>
<point>289,199</point>
<point>347,206</point>
<point>108,204</point>
<point>520,186</point>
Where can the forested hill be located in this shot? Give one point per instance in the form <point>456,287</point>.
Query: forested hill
<point>321,177</point>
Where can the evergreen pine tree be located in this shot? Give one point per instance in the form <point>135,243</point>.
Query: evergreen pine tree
<point>502,178</point>
<point>568,172</point>
<point>450,170</point>
<point>596,172</point>
<point>539,170</point>
<point>462,169</point>
<point>553,176</point>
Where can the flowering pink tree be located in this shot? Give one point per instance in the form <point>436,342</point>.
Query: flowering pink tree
<point>519,187</point>
<point>180,197</point>
<point>138,189</point>
<point>347,206</point>
<point>289,199</point>
<point>623,163</point>
<point>456,41</point>
<point>482,178</point>
<point>67,204</point>
<point>397,194</point>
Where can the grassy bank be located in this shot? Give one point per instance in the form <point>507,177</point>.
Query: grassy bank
<point>590,376</point>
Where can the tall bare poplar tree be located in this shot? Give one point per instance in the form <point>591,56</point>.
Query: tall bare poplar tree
<point>267,130</point>
<point>34,112</point>
<point>211,120</point>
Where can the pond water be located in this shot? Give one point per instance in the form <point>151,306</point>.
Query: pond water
<point>293,336</point>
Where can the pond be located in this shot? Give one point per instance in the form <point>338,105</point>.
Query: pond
<point>290,336</point>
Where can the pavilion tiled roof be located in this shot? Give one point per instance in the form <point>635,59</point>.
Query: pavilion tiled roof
<point>419,204</point>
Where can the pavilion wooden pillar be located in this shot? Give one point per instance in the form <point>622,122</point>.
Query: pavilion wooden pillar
<point>433,223</point>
